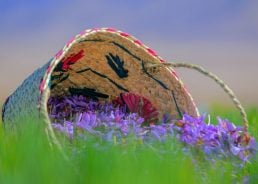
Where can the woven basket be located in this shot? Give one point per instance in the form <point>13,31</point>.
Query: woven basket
<point>104,62</point>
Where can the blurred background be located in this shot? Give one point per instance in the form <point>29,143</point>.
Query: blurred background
<point>221,35</point>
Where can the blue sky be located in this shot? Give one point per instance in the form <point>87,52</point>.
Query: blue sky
<point>230,20</point>
<point>221,35</point>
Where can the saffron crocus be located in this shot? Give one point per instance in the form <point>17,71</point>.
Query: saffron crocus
<point>114,121</point>
<point>158,131</point>
<point>220,139</point>
<point>87,121</point>
<point>67,128</point>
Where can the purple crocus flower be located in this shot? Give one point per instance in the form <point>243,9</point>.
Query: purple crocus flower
<point>158,131</point>
<point>87,121</point>
<point>67,128</point>
<point>72,113</point>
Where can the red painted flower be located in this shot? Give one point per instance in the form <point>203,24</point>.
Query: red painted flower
<point>73,58</point>
<point>140,105</point>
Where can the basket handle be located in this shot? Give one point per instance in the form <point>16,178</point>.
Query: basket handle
<point>217,80</point>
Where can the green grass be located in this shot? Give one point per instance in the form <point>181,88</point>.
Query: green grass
<point>27,157</point>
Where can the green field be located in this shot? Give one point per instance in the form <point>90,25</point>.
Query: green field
<point>27,157</point>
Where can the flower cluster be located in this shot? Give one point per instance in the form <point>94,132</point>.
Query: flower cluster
<point>78,115</point>
<point>223,139</point>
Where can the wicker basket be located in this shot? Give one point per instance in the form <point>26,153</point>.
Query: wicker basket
<point>104,62</point>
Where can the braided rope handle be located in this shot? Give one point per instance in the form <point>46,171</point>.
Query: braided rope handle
<point>222,84</point>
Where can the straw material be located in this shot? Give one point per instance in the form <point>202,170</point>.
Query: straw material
<point>24,101</point>
<point>101,63</point>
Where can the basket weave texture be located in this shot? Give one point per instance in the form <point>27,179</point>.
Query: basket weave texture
<point>101,63</point>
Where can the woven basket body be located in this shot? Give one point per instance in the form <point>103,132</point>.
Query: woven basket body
<point>101,63</point>
<point>24,102</point>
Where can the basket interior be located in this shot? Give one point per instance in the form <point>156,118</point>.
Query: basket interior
<point>104,65</point>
